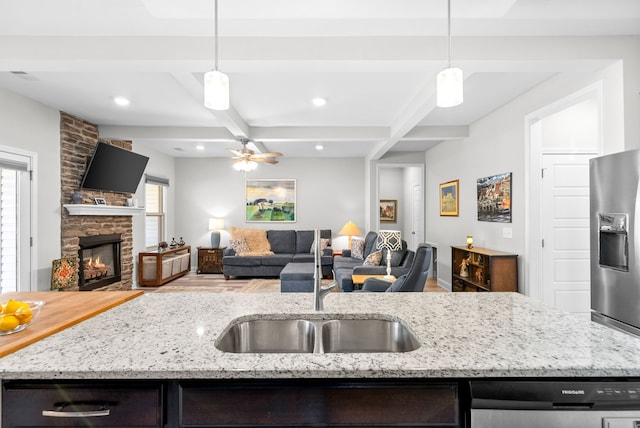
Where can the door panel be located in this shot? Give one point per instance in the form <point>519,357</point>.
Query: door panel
<point>565,230</point>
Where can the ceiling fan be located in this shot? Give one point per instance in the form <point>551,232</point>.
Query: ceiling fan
<point>247,159</point>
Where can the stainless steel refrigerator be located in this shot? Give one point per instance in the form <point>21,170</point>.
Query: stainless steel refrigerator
<point>615,240</point>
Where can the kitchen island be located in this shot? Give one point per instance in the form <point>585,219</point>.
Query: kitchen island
<point>158,352</point>
<point>462,335</point>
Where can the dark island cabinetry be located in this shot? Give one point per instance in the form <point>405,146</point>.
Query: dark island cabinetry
<point>233,403</point>
<point>78,404</point>
<point>327,403</point>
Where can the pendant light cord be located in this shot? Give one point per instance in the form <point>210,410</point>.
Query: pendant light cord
<point>216,35</point>
<point>448,29</point>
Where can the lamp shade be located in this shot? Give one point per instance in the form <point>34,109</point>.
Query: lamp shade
<point>449,87</point>
<point>390,240</point>
<point>216,223</point>
<point>350,229</point>
<point>216,90</point>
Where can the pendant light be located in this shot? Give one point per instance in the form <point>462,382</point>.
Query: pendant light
<point>450,80</point>
<point>216,83</point>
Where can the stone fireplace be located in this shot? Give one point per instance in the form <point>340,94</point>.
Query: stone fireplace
<point>99,258</point>
<point>78,139</point>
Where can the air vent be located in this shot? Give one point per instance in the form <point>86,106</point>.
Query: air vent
<point>23,75</point>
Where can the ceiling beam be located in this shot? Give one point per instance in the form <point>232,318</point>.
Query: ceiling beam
<point>312,133</point>
<point>164,133</point>
<point>437,133</point>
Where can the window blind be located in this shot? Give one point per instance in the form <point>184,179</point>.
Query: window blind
<point>159,181</point>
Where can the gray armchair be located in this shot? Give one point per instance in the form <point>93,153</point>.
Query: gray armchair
<point>414,280</point>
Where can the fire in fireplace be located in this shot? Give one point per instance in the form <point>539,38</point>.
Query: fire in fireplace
<point>99,261</point>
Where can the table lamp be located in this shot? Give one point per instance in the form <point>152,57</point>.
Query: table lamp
<point>391,241</point>
<point>215,225</point>
<point>350,229</point>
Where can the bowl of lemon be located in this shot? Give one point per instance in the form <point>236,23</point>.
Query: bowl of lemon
<point>16,315</point>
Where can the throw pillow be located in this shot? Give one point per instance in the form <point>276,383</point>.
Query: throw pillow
<point>357,248</point>
<point>256,240</point>
<point>239,245</point>
<point>373,259</point>
<point>324,244</point>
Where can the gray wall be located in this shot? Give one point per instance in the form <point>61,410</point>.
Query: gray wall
<point>329,193</point>
<point>497,144</point>
<point>35,128</point>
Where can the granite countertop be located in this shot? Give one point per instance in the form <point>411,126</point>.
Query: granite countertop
<point>463,335</point>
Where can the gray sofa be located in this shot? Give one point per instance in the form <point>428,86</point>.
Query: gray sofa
<point>288,246</point>
<point>344,266</point>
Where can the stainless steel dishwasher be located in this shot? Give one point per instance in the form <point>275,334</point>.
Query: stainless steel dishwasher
<point>555,404</point>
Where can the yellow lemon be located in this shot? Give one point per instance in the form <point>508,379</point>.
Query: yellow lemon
<point>11,307</point>
<point>24,313</point>
<point>8,322</point>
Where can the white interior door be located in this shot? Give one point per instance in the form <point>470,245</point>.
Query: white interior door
<point>417,228</point>
<point>15,222</point>
<point>565,231</point>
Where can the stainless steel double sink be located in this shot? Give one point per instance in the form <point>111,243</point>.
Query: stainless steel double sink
<point>300,334</point>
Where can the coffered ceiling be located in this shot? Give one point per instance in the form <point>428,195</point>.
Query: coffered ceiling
<point>374,61</point>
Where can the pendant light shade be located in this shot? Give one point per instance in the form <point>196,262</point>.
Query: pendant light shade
<point>449,82</point>
<point>216,83</point>
<point>449,87</point>
<point>216,90</point>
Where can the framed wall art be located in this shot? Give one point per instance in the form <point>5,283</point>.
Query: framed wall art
<point>388,210</point>
<point>449,198</point>
<point>494,198</point>
<point>64,273</point>
<point>270,200</point>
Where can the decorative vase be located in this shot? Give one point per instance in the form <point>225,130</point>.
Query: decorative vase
<point>215,239</point>
<point>76,198</point>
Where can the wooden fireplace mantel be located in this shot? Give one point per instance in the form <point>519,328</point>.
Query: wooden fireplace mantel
<point>110,210</point>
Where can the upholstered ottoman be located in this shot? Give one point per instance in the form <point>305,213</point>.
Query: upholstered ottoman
<point>296,278</point>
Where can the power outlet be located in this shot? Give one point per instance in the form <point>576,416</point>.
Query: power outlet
<point>507,232</point>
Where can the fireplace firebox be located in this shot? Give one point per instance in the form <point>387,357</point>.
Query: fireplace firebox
<point>99,258</point>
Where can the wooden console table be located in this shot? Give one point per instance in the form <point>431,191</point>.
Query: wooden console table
<point>159,267</point>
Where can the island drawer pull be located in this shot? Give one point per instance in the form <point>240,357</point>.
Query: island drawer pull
<point>61,413</point>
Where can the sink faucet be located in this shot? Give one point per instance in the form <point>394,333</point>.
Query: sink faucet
<point>319,291</point>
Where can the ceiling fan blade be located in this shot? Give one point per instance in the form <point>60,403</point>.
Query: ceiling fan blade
<point>235,152</point>
<point>264,160</point>
<point>267,155</point>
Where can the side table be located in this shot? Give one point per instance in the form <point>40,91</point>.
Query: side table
<point>210,260</point>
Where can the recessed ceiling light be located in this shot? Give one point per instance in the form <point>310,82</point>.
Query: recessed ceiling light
<point>199,147</point>
<point>319,147</point>
<point>121,101</point>
<point>319,102</point>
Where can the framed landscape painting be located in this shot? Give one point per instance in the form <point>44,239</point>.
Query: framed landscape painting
<point>388,210</point>
<point>270,200</point>
<point>449,198</point>
<point>494,198</point>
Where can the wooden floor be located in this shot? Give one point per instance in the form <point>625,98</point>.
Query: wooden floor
<point>432,286</point>
<point>216,283</point>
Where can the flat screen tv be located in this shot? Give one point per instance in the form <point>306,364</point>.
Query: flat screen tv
<point>113,169</point>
